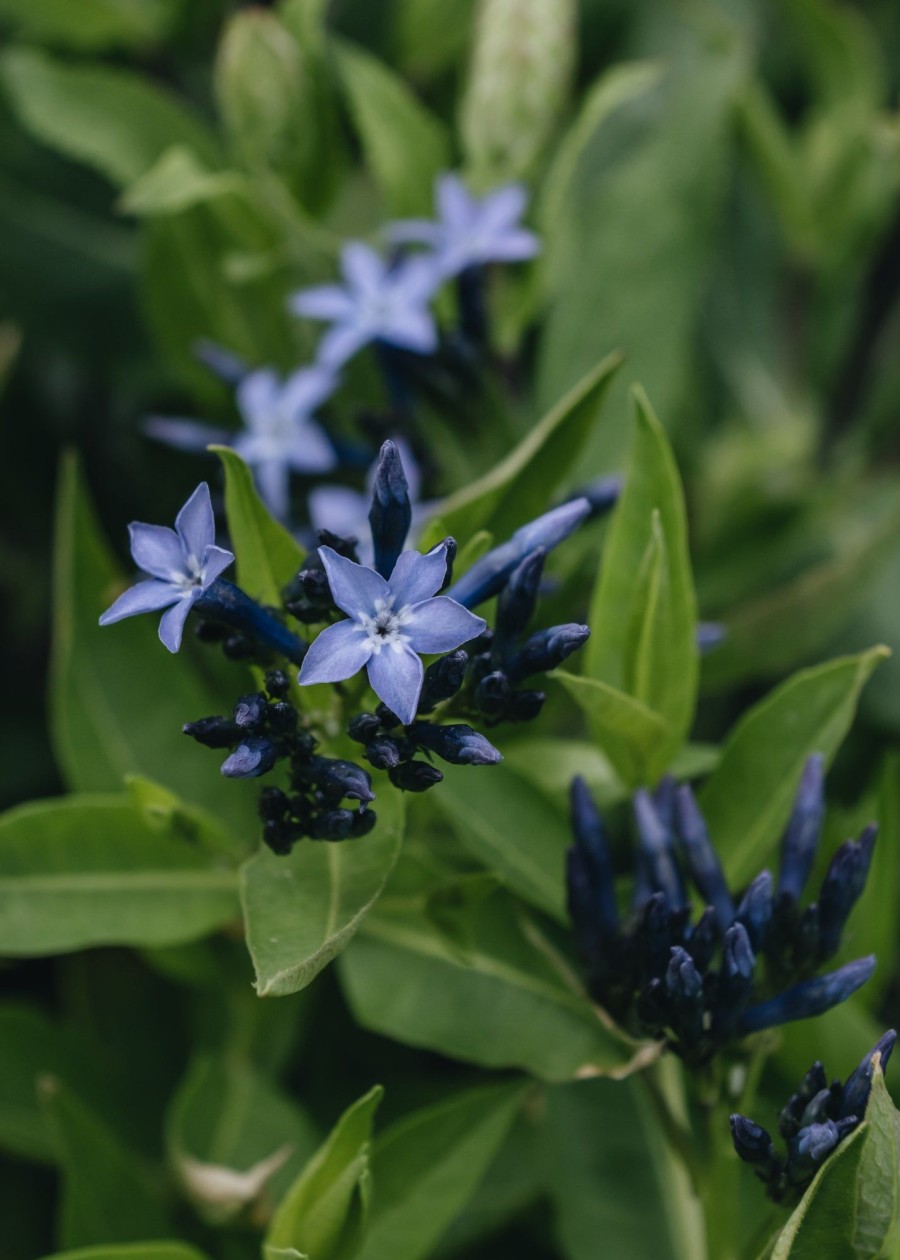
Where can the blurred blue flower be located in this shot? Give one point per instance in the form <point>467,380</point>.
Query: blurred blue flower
<point>471,230</point>
<point>182,562</point>
<point>388,624</point>
<point>279,436</point>
<point>377,302</point>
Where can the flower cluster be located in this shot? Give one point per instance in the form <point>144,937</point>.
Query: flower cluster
<point>816,1119</point>
<point>385,302</point>
<point>747,962</point>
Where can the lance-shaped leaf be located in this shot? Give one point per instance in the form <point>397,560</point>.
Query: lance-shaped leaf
<point>643,612</point>
<point>628,732</point>
<point>748,799</point>
<point>302,910</point>
<point>267,555</point>
<point>323,1214</point>
<point>89,870</point>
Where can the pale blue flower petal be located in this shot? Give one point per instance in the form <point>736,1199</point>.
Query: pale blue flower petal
<point>272,479</point>
<point>354,588</point>
<point>514,246</point>
<point>157,550</point>
<point>415,231</point>
<point>309,450</point>
<point>415,280</point>
<point>364,269</point>
<point>338,653</point>
<point>417,577</point>
<point>501,210</point>
<point>306,389</point>
<point>325,301</point>
<point>440,625</point>
<point>148,596</point>
<point>396,676</point>
<point>215,561</point>
<point>454,203</point>
<point>341,343</point>
<point>412,330</point>
<point>184,434</point>
<point>195,524</point>
<point>257,397</point>
<point>339,509</point>
<point>171,623</point>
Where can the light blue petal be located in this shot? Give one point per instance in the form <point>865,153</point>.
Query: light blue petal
<point>341,343</point>
<point>273,482</point>
<point>326,302</point>
<point>514,246</point>
<point>364,269</point>
<point>171,623</point>
<point>157,550</point>
<point>185,435</point>
<point>549,530</point>
<point>144,597</point>
<point>307,389</point>
<point>339,509</point>
<point>415,280</point>
<point>195,524</point>
<point>411,330</point>
<point>456,206</point>
<point>215,561</point>
<point>309,450</point>
<point>415,231</point>
<point>353,587</point>
<point>338,653</point>
<point>440,625</point>
<point>417,577</point>
<point>502,209</point>
<point>257,397</point>
<point>396,677</point>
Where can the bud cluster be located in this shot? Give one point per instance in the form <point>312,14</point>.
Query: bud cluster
<point>701,983</point>
<point>815,1120</point>
<point>264,729</point>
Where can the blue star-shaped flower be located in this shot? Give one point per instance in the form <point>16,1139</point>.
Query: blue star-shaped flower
<point>377,302</point>
<point>279,437</point>
<point>470,230</point>
<point>388,623</point>
<point>182,562</point>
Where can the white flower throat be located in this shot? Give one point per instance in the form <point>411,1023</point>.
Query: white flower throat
<point>384,627</point>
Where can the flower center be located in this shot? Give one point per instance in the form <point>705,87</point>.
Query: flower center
<point>385,626</point>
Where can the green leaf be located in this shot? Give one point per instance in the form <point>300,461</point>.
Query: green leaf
<point>110,119</point>
<point>232,1136</point>
<point>426,1166</point>
<point>407,978</point>
<point>748,799</point>
<point>106,1195</point>
<point>605,1162</point>
<point>133,1251</point>
<point>118,699</point>
<point>629,733</point>
<point>784,627</point>
<point>88,870</point>
<point>510,827</point>
<point>302,910</point>
<point>521,486</point>
<point>655,657</point>
<point>177,181</point>
<point>852,1208</point>
<point>324,1212</point>
<point>620,273</point>
<point>267,556</point>
<point>405,145</point>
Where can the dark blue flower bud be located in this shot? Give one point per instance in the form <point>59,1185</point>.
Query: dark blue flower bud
<point>664,802</point>
<point>652,1007</point>
<point>282,717</point>
<point>363,822</point>
<point>751,1141</point>
<point>363,727</point>
<point>812,997</point>
<point>654,936</point>
<point>517,601</point>
<point>277,683</point>
<point>821,1107</point>
<point>735,981</point>
<point>842,887</point>
<point>709,635</point>
<point>460,744</point>
<point>809,1148</point>
<point>443,679</point>
<point>801,836</point>
<point>524,706</point>
<point>547,649</point>
<point>755,910</point>
<point>591,887</point>
<point>602,494</point>
<point>492,694</point>
<point>415,776</point>
<point>254,755</point>
<point>859,1083</point>
<point>272,804</point>
<point>228,604</point>
<point>450,550</point>
<point>812,1084</point>
<point>336,824</point>
<point>657,851</point>
<point>279,836</point>
<point>702,939</point>
<point>335,778</point>
<point>704,865</point>
<point>383,752</point>
<point>250,711</point>
<point>391,512</point>
<point>684,987</point>
<point>213,732</point>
